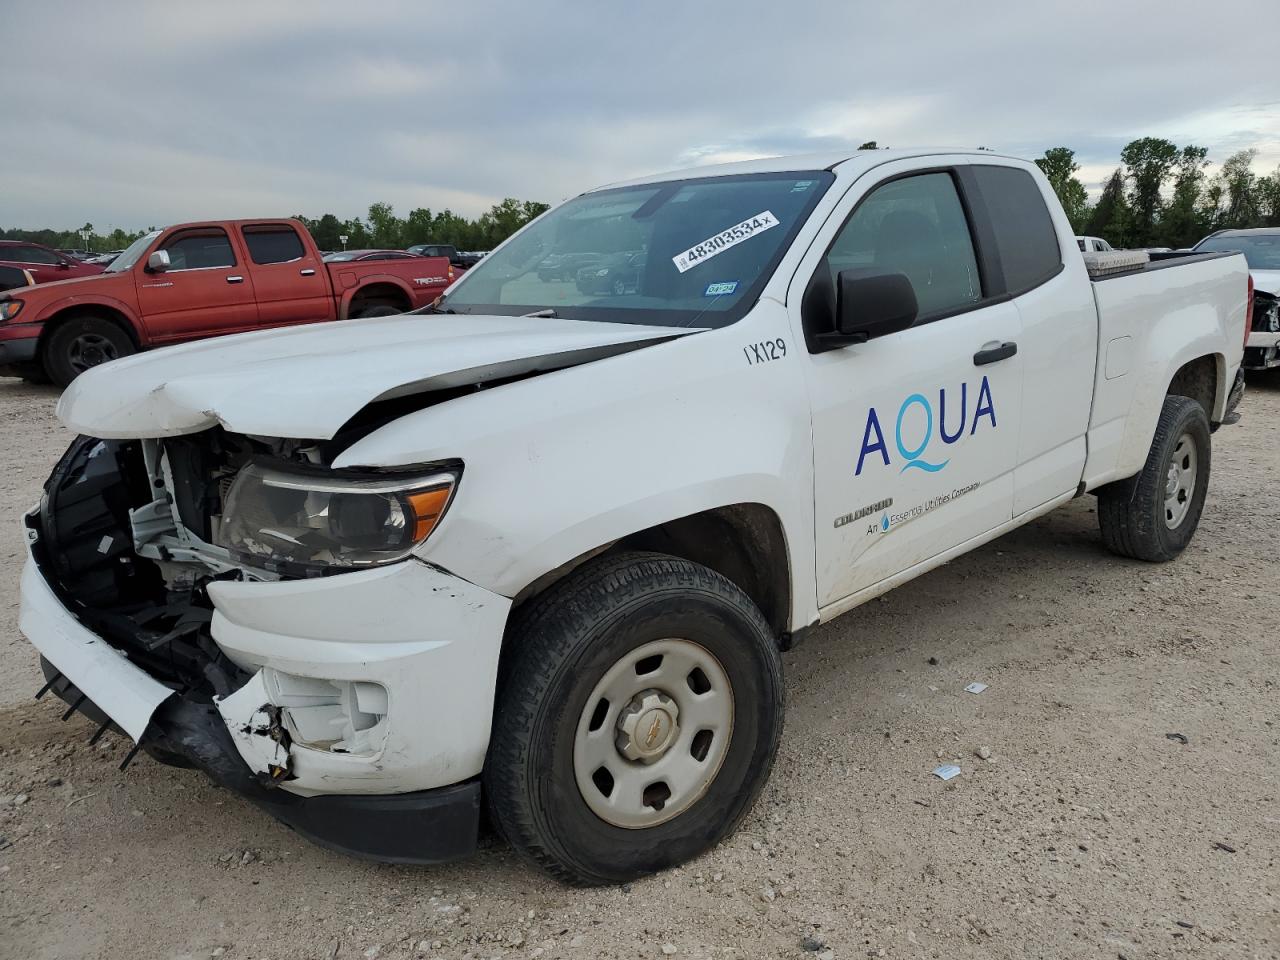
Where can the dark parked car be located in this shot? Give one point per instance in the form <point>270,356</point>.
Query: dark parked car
<point>565,266</point>
<point>618,274</point>
<point>457,258</point>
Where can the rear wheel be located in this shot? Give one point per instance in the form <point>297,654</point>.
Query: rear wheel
<point>81,343</point>
<point>1154,515</point>
<point>375,309</point>
<point>637,719</point>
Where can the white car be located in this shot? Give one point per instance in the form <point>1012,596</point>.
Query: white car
<point>1261,248</point>
<point>542,547</point>
<point>1093,245</point>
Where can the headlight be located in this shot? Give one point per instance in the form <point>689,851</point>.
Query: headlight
<point>602,273</point>
<point>282,518</point>
<point>9,309</point>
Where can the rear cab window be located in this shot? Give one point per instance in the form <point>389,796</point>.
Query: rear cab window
<point>270,243</point>
<point>1026,242</point>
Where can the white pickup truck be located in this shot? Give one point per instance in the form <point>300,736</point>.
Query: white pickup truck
<point>540,547</point>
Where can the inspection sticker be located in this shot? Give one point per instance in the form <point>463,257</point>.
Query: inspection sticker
<point>721,289</point>
<point>723,240</point>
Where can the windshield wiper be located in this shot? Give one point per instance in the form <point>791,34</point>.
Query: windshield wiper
<point>548,314</point>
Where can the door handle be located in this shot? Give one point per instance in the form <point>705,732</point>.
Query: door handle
<point>307,272</point>
<point>994,354</point>
<point>235,279</point>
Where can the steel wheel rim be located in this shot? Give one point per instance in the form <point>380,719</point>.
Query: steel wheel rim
<point>90,350</point>
<point>1180,481</point>
<point>658,724</point>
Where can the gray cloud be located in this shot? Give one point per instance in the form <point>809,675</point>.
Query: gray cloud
<point>139,114</point>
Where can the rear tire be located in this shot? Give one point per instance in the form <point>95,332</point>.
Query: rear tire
<point>597,627</point>
<point>1154,515</point>
<point>81,343</point>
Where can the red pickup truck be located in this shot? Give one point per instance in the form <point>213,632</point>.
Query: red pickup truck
<point>199,280</point>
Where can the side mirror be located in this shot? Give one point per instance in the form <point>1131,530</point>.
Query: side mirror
<point>158,262</point>
<point>868,304</point>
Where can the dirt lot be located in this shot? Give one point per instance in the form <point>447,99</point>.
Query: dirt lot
<point>1088,833</point>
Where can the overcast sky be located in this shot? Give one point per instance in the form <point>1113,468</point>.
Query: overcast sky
<point>133,114</point>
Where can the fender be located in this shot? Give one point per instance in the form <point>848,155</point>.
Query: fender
<point>547,479</point>
<point>349,293</point>
<point>126,310</point>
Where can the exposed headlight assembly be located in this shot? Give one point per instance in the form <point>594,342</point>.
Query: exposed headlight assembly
<point>10,309</point>
<point>313,522</point>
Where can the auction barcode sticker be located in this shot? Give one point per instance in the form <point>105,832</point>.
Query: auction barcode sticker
<point>723,240</point>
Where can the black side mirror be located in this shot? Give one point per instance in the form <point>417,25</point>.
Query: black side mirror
<point>860,305</point>
<point>64,265</point>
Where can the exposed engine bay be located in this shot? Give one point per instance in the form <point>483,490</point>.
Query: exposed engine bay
<point>132,533</point>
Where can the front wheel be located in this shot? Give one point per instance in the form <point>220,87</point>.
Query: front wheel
<point>81,343</point>
<point>1154,515</point>
<point>637,719</point>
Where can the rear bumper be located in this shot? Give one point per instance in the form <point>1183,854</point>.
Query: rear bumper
<point>426,826</point>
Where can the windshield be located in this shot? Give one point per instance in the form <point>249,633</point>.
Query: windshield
<point>1262,252</point>
<point>131,253</point>
<point>671,254</point>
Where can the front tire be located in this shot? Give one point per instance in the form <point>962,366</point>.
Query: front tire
<point>1154,515</point>
<point>376,310</point>
<point>637,719</point>
<point>82,343</point>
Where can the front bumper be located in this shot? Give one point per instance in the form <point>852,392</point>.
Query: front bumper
<point>426,826</point>
<point>18,343</point>
<point>404,791</point>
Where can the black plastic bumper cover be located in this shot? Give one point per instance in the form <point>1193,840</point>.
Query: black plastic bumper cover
<point>17,351</point>
<point>429,826</point>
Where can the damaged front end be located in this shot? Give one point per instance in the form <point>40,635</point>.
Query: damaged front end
<point>200,561</point>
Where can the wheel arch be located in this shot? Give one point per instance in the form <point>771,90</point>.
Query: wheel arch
<point>106,311</point>
<point>388,289</point>
<point>744,542</point>
<point>1202,379</point>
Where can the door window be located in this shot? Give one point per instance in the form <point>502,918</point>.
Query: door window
<point>273,243</point>
<point>917,227</point>
<point>206,248</point>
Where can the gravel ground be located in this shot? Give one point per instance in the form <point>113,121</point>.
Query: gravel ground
<point>1087,833</point>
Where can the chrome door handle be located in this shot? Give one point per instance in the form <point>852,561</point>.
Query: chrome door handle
<point>307,272</point>
<point>235,279</point>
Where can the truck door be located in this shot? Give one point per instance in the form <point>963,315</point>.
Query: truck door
<point>1059,344</point>
<point>205,291</point>
<point>915,432</point>
<point>289,280</point>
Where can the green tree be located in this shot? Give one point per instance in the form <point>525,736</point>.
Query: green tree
<point>385,229</point>
<point>1111,218</point>
<point>1148,163</point>
<point>1059,167</point>
<point>1240,191</point>
<point>869,145</point>
<point>1183,221</point>
<point>1268,190</point>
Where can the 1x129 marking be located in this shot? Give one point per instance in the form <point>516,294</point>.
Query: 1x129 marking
<point>765,351</point>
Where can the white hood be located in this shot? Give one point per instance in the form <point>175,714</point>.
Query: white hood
<point>306,382</point>
<point>1268,281</point>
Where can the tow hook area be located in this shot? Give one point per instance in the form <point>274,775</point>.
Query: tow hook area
<point>257,731</point>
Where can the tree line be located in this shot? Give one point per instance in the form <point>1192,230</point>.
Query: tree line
<point>380,229</point>
<point>1163,195</point>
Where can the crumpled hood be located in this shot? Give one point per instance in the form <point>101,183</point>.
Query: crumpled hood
<point>306,382</point>
<point>1268,281</point>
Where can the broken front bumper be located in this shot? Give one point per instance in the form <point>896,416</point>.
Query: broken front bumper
<point>366,718</point>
